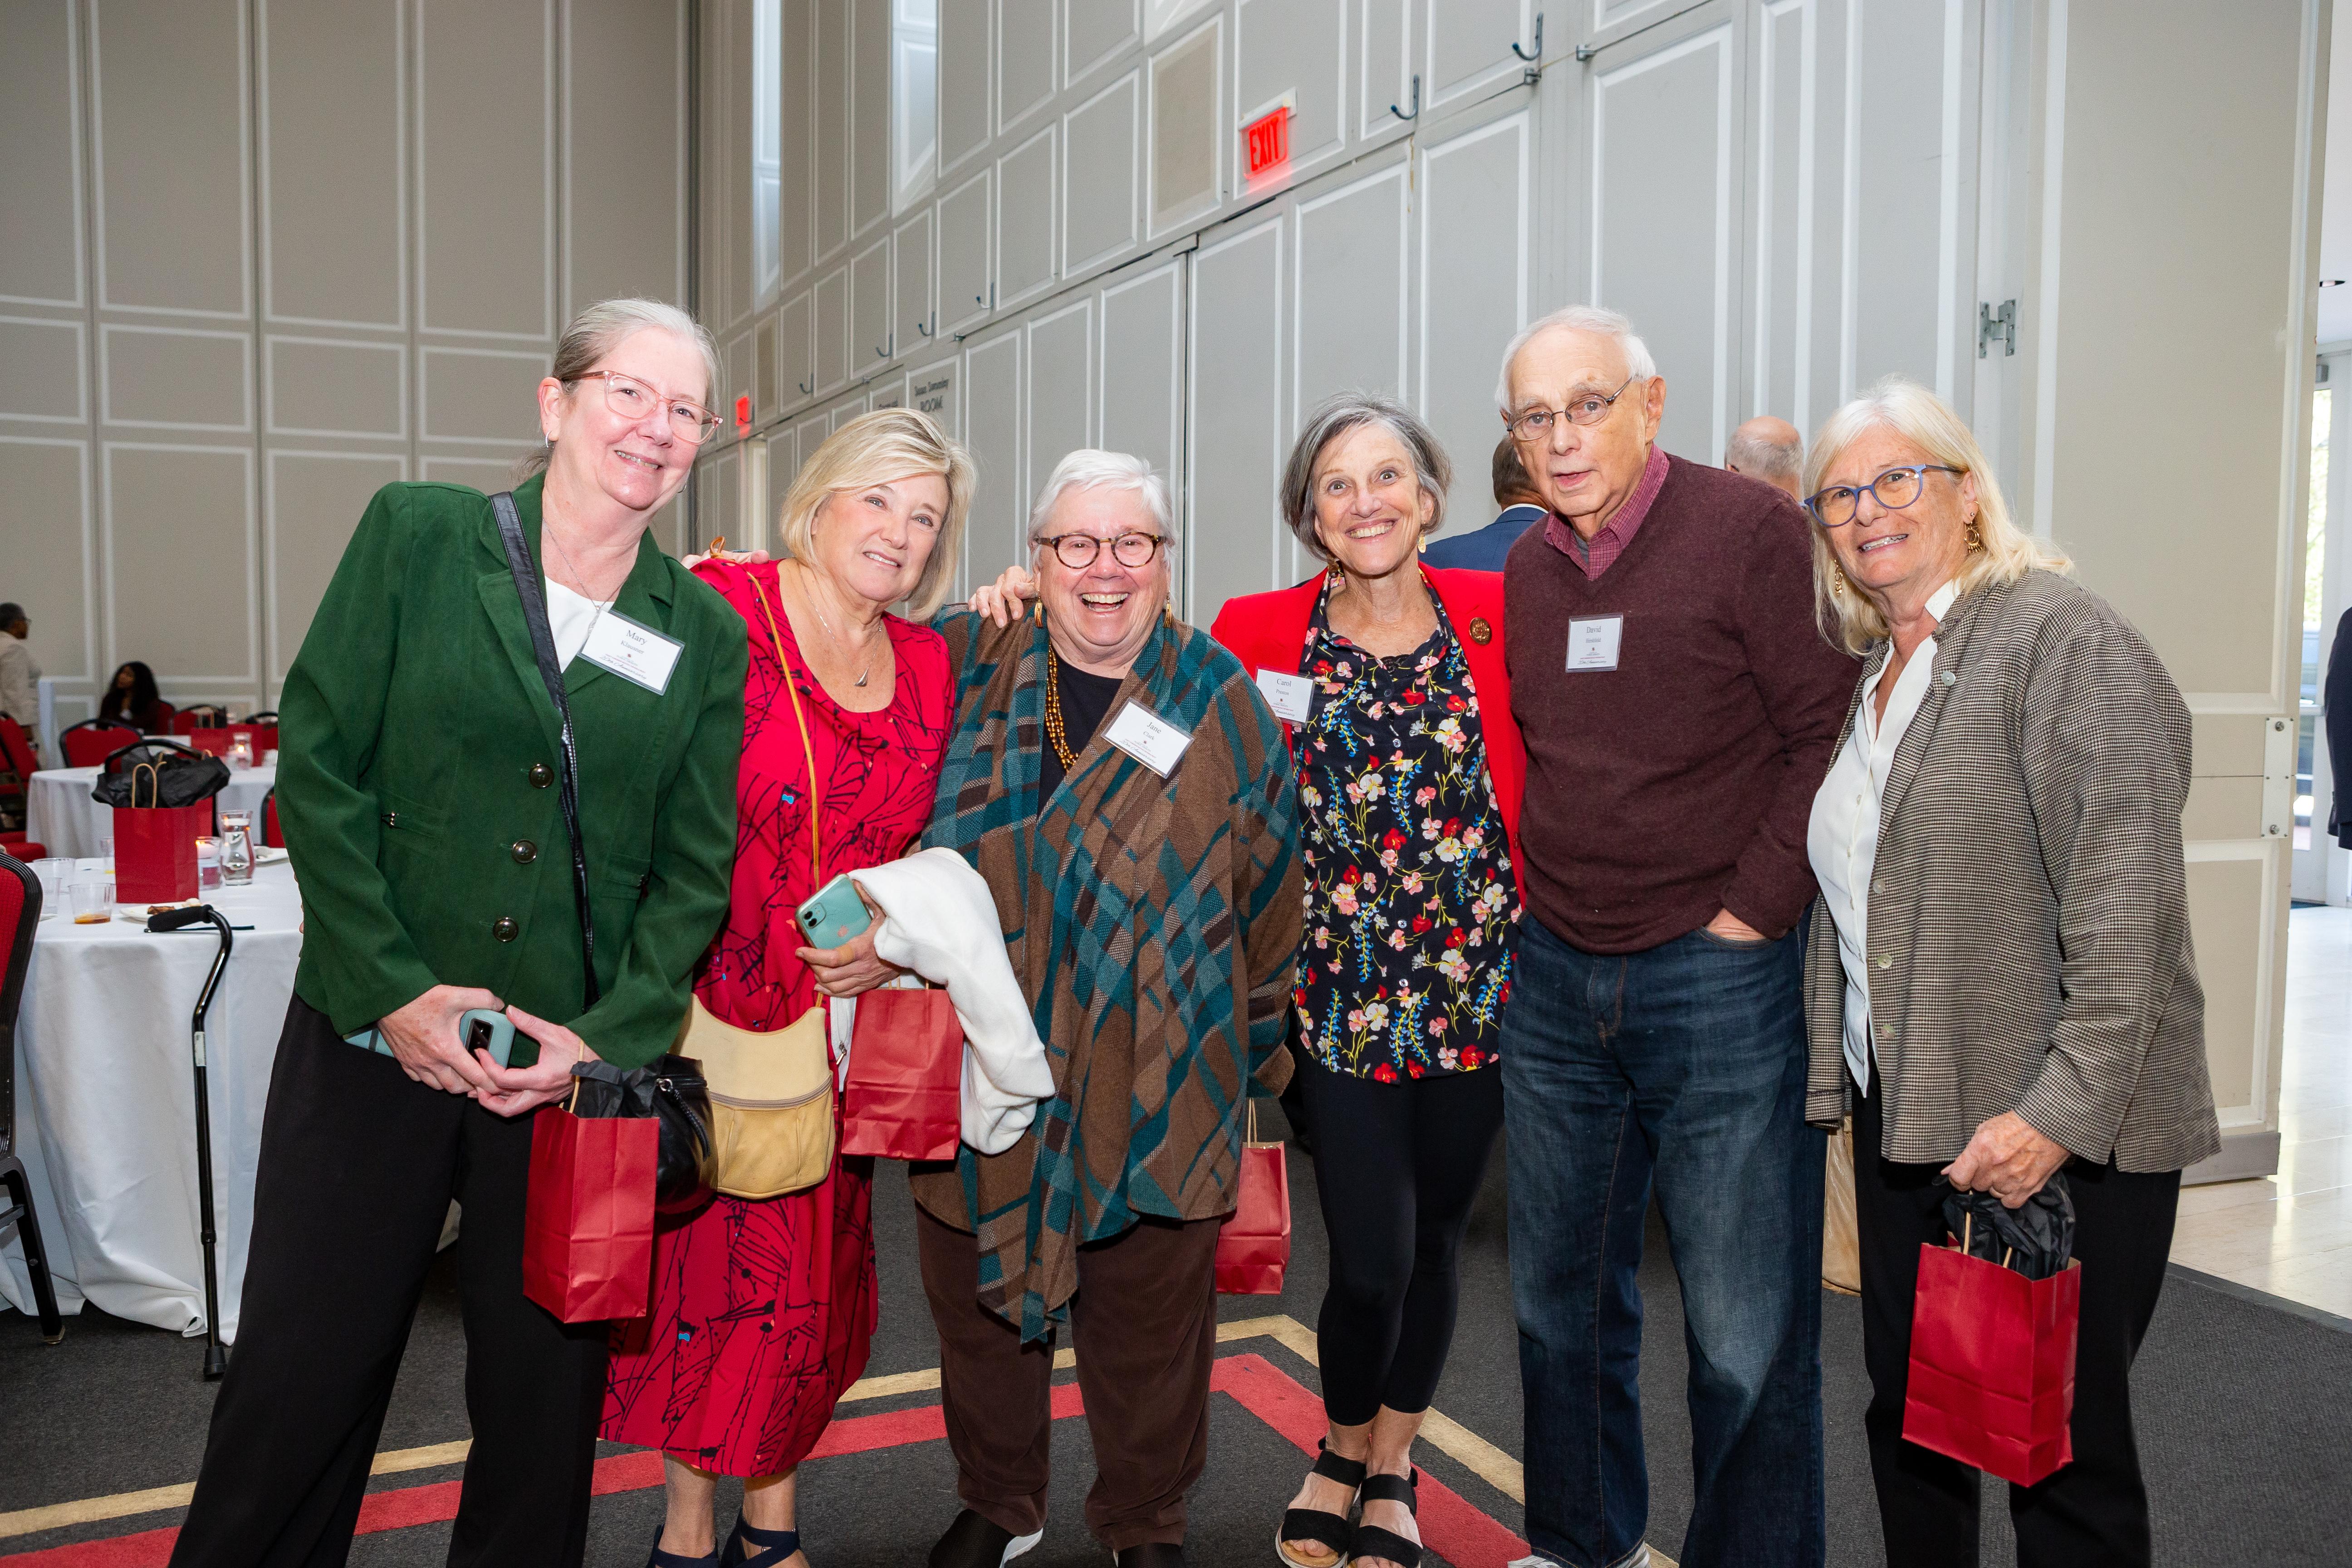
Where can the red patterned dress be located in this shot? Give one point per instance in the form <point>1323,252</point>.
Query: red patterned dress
<point>763,1311</point>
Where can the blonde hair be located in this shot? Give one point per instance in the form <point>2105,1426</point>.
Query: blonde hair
<point>606,326</point>
<point>874,448</point>
<point>2006,553</point>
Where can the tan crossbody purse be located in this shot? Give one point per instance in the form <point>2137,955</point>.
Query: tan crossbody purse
<point>771,1122</point>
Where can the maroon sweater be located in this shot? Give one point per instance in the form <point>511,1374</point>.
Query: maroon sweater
<point>1681,781</point>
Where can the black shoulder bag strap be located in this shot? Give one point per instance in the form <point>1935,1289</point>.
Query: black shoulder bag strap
<point>543,644</point>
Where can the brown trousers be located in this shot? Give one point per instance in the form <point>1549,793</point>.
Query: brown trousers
<point>1144,1326</point>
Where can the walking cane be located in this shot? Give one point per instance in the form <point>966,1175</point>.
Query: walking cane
<point>215,1357</point>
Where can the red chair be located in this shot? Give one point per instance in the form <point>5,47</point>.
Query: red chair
<point>20,913</point>
<point>22,848</point>
<point>88,743</point>
<point>216,742</point>
<point>203,715</point>
<point>166,716</point>
<point>16,749</point>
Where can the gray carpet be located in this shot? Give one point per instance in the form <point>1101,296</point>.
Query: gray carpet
<point>2245,1411</point>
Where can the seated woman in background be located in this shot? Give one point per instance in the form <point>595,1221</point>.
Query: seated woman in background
<point>131,698</point>
<point>763,1308</point>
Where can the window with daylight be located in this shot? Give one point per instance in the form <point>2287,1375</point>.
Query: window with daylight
<point>767,139</point>
<point>914,82</point>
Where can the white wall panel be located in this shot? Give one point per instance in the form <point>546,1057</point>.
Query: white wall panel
<point>1025,226</point>
<point>481,394</point>
<point>796,98</point>
<point>965,293</point>
<point>486,165</point>
<point>832,330</point>
<point>313,503</point>
<point>1183,88</point>
<point>914,317</point>
<point>174,177</point>
<point>40,180</point>
<point>1239,423</point>
<point>47,379</point>
<point>176,378</point>
<point>1061,387</point>
<point>180,532</point>
<point>1907,172</point>
<point>869,115</point>
<point>57,563</point>
<point>1350,312</point>
<point>784,467</point>
<point>965,122</point>
<point>1094,31</point>
<point>1664,141</point>
<point>1142,370</point>
<point>624,171</point>
<point>1470,44</point>
<point>319,387</point>
<point>334,163</point>
<point>1384,64</point>
<point>795,349</point>
<point>1477,260</point>
<point>1025,79</point>
<point>869,307</point>
<point>833,126</point>
<point>1000,499</point>
<point>1101,212</point>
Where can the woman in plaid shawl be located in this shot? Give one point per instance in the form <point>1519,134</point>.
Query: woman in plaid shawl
<point>1126,793</point>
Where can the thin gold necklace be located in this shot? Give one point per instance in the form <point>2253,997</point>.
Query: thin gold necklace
<point>810,595</point>
<point>602,604</point>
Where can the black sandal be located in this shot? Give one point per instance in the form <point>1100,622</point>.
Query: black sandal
<point>750,1547</point>
<point>1372,1541</point>
<point>1331,1530</point>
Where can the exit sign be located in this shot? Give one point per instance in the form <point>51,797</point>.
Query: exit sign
<point>744,414</point>
<point>1266,141</point>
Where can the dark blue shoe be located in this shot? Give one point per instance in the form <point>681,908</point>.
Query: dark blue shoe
<point>773,1548</point>
<point>661,1559</point>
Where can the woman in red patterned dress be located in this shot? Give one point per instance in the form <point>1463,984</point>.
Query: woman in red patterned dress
<point>763,1311</point>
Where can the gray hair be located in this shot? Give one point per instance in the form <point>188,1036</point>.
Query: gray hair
<point>1351,411</point>
<point>1091,469</point>
<point>1579,318</point>
<point>1762,459</point>
<point>603,327</point>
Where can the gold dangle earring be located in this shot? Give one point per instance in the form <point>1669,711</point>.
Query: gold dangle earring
<point>1976,539</point>
<point>1837,583</point>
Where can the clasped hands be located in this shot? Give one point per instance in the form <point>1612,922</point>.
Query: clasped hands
<point>424,1039</point>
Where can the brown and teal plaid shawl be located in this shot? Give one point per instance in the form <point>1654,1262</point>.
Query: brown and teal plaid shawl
<point>1153,924</point>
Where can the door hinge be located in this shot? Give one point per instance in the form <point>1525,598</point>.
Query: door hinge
<point>2001,323</point>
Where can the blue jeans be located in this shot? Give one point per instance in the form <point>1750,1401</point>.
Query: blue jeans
<point>1682,1067</point>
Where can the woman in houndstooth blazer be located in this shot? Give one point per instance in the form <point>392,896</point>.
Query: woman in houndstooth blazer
<point>2000,981</point>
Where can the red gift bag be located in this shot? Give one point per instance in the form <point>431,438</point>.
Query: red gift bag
<point>588,1216</point>
<point>1253,1244</point>
<point>155,845</point>
<point>903,1096</point>
<point>1993,1364</point>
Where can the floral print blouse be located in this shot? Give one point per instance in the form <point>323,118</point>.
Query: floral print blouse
<point>1412,915</point>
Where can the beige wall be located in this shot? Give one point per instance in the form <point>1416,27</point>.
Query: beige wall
<point>264,255</point>
<point>2167,350</point>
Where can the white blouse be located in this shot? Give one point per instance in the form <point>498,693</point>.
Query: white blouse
<point>1843,838</point>
<point>570,619</point>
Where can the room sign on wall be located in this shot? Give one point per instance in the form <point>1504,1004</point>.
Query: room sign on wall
<point>1266,142</point>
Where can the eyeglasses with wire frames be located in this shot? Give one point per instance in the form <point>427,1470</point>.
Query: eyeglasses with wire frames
<point>633,399</point>
<point>1895,489</point>
<point>1078,551</point>
<point>1585,408</point>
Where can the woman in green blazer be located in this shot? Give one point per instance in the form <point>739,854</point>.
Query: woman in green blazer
<point>417,787</point>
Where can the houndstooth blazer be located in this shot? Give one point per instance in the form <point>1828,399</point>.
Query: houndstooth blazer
<point>2029,934</point>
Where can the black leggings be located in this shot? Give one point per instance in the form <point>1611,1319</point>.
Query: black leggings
<point>1397,1167</point>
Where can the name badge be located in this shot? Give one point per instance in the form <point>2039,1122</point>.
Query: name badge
<point>632,651</point>
<point>1292,696</point>
<point>1148,738</point>
<point>1592,643</point>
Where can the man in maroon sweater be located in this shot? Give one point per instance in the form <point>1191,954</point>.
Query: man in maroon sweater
<point>1679,708</point>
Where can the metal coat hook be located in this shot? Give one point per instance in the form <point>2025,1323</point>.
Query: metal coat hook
<point>1400,114</point>
<point>805,386</point>
<point>1536,57</point>
<point>925,326</point>
<point>889,343</point>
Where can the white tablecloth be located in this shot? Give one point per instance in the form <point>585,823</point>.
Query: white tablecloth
<point>106,1117</point>
<point>61,815</point>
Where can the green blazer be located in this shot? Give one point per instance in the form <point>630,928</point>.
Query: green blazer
<point>416,784</point>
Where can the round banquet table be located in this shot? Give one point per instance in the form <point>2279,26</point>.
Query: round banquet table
<point>60,814</point>
<point>106,1117</point>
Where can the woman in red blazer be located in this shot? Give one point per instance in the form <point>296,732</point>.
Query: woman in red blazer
<point>1388,678</point>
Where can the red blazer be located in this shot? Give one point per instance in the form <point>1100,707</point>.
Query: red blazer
<point>1268,631</point>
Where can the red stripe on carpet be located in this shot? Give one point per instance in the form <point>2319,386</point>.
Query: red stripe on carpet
<point>1458,1531</point>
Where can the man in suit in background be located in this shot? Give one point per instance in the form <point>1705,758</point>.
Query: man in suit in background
<point>1769,450</point>
<point>1483,550</point>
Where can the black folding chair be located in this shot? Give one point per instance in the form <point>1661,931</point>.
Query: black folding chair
<point>20,914</point>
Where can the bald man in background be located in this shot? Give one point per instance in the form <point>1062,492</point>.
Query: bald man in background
<point>1769,450</point>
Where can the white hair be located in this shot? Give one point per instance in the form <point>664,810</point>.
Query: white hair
<point>1091,469</point>
<point>1579,318</point>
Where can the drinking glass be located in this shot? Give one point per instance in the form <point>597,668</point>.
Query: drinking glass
<point>235,849</point>
<point>93,900</point>
<point>208,871</point>
<point>56,874</point>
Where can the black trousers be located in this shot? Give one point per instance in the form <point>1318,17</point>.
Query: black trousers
<point>357,1168</point>
<point>1397,1167</point>
<point>2093,1513</point>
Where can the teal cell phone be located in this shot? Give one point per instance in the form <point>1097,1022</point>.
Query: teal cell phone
<point>481,1029</point>
<point>834,913</point>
